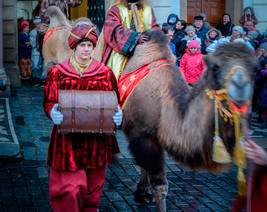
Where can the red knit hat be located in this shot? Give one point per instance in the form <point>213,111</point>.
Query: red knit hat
<point>24,24</point>
<point>193,44</point>
<point>82,32</point>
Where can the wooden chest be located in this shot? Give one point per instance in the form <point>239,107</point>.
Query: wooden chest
<point>87,111</point>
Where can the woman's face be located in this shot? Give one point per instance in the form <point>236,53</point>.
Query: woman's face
<point>84,50</point>
<point>249,25</point>
<point>226,18</point>
<point>213,34</point>
<point>191,34</point>
<point>179,25</point>
<point>170,34</point>
<point>236,34</point>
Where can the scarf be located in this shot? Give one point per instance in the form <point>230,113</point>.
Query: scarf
<point>80,68</point>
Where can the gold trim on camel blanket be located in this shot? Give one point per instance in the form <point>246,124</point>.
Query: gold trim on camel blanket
<point>117,61</point>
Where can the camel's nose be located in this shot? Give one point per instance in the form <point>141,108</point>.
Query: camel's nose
<point>239,78</point>
<point>239,87</point>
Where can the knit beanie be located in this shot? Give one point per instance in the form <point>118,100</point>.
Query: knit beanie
<point>263,46</point>
<point>172,19</point>
<point>24,24</point>
<point>190,28</point>
<point>193,44</point>
<point>239,29</point>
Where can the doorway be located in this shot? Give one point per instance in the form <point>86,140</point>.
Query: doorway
<point>214,9</point>
<point>96,12</point>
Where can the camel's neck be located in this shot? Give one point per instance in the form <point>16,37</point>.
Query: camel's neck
<point>190,129</point>
<point>146,54</point>
<point>59,21</point>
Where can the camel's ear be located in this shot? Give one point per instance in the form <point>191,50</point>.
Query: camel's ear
<point>212,62</point>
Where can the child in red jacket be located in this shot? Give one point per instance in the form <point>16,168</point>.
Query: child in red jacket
<point>191,63</point>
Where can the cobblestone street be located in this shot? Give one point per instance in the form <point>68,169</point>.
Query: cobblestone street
<point>24,181</point>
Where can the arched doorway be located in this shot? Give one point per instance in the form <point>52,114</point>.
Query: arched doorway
<point>214,9</point>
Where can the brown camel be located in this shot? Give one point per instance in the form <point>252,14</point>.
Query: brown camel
<point>163,113</point>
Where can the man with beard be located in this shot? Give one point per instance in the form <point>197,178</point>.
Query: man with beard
<point>124,28</point>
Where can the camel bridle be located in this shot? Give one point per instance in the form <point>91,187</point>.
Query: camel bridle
<point>221,96</point>
<point>232,114</point>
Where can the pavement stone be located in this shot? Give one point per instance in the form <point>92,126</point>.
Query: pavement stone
<point>24,182</point>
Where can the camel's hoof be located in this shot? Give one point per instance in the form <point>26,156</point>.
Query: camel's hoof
<point>142,197</point>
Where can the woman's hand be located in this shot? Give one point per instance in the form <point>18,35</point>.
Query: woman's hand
<point>256,153</point>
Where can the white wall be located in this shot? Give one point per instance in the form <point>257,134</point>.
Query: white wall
<point>162,8</point>
<point>260,9</point>
<point>175,7</point>
<point>247,3</point>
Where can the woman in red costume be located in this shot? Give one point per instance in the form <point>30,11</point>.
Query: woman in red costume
<point>77,160</point>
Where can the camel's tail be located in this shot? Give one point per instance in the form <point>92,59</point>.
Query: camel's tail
<point>57,17</point>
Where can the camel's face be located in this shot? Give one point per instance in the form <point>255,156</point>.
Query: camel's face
<point>233,72</point>
<point>239,85</point>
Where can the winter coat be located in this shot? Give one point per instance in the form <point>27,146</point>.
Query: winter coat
<point>172,47</point>
<point>261,82</point>
<point>213,46</point>
<point>231,39</point>
<point>202,33</point>
<point>178,36</point>
<point>208,40</point>
<point>192,66</point>
<point>24,45</point>
<point>226,29</point>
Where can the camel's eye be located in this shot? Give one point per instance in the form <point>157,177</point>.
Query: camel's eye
<point>215,71</point>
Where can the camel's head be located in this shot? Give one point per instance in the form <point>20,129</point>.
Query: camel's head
<point>232,67</point>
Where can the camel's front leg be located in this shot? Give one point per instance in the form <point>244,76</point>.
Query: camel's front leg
<point>143,192</point>
<point>159,185</point>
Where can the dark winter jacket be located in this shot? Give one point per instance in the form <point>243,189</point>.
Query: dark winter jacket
<point>226,29</point>
<point>24,45</point>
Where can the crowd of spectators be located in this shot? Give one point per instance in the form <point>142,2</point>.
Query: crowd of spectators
<point>210,37</point>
